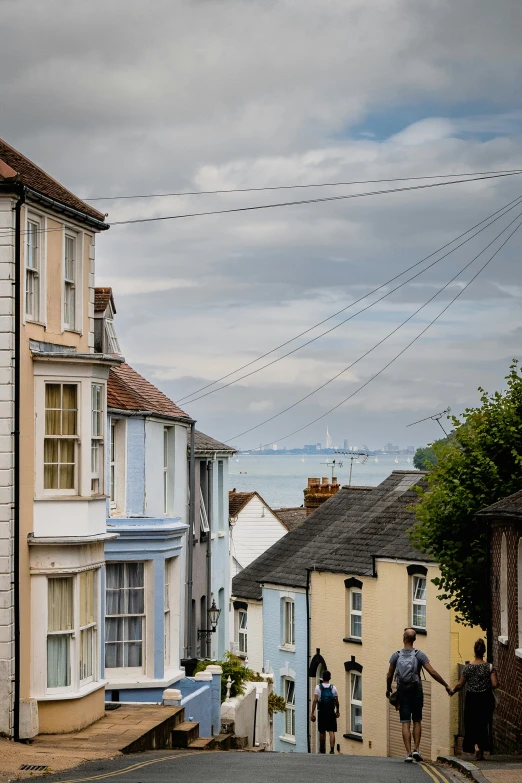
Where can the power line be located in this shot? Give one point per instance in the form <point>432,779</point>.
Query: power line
<point>308,201</point>
<point>370,350</point>
<point>325,320</point>
<point>191,398</point>
<point>293,187</point>
<point>394,359</point>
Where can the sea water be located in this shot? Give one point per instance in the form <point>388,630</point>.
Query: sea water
<point>281,478</point>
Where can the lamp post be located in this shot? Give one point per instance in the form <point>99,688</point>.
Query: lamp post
<point>213,619</point>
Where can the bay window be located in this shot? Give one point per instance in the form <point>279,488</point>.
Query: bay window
<point>61,437</point>
<point>71,630</point>
<point>97,431</point>
<point>419,602</point>
<point>125,615</point>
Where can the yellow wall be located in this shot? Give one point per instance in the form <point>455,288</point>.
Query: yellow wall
<point>62,717</point>
<point>386,612</point>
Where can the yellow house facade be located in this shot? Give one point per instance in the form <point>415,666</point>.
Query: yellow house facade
<point>52,456</point>
<point>357,623</point>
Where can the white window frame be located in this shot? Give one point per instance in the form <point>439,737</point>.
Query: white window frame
<point>289,714</point>
<point>97,438</point>
<point>288,623</point>
<point>242,632</point>
<point>357,703</point>
<point>354,613</point>
<point>112,464</point>
<point>75,635</point>
<point>36,271</point>
<point>72,322</point>
<point>76,437</point>
<point>122,670</point>
<point>418,601</point>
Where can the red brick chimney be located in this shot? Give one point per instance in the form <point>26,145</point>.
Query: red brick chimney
<point>319,490</point>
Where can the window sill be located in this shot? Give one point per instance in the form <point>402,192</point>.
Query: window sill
<point>355,737</point>
<point>72,331</point>
<point>116,679</point>
<point>71,497</point>
<point>287,648</point>
<point>287,738</point>
<point>420,631</point>
<point>518,652</point>
<point>85,690</point>
<point>503,640</point>
<point>352,640</point>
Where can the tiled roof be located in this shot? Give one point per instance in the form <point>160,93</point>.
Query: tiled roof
<point>291,517</point>
<point>34,177</point>
<point>342,535</point>
<point>129,391</point>
<point>102,297</point>
<point>237,501</point>
<point>205,443</point>
<point>507,507</point>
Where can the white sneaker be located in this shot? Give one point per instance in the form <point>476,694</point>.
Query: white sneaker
<point>409,759</point>
<point>416,755</point>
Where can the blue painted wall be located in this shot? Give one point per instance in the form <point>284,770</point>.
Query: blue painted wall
<point>135,478</point>
<point>285,662</point>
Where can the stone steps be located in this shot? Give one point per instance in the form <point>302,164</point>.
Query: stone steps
<point>185,734</point>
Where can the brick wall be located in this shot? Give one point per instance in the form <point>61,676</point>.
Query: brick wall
<point>507,722</point>
<point>318,492</point>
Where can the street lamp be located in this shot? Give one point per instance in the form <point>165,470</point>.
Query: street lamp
<point>213,619</point>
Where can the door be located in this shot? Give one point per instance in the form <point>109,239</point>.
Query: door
<point>395,743</point>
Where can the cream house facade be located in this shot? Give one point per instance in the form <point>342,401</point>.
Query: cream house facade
<point>52,460</point>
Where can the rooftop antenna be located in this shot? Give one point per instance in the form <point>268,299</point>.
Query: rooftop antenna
<point>354,455</point>
<point>332,464</point>
<point>436,417</point>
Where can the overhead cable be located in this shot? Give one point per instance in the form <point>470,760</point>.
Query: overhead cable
<point>191,398</point>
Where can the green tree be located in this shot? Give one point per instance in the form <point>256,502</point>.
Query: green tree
<point>424,458</point>
<point>235,668</point>
<point>479,465</point>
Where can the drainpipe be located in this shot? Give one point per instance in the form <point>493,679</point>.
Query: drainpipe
<point>210,486</point>
<point>16,462</point>
<point>190,543</point>
<point>308,659</point>
<point>489,633</point>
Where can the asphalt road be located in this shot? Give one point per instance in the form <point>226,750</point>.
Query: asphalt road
<point>217,767</point>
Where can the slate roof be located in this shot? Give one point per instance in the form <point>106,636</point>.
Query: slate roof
<point>291,517</point>
<point>28,173</point>
<point>343,535</point>
<point>205,443</point>
<point>129,391</point>
<point>102,297</point>
<point>507,507</point>
<point>237,501</point>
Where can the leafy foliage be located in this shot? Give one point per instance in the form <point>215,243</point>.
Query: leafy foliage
<point>234,668</point>
<point>424,458</point>
<point>276,703</point>
<point>479,465</point>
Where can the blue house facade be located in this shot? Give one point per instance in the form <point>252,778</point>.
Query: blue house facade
<point>285,648</point>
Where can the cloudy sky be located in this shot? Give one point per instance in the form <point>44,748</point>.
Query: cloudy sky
<point>124,97</point>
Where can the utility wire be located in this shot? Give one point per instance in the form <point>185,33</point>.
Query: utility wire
<point>293,187</point>
<point>308,201</point>
<point>394,359</point>
<point>507,209</point>
<point>370,350</point>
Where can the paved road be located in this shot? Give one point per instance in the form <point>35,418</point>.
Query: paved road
<point>218,767</point>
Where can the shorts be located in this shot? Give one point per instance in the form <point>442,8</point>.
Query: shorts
<point>410,705</point>
<point>326,720</point>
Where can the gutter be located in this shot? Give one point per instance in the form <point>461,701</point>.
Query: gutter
<point>308,738</point>
<point>190,540</point>
<point>150,414</point>
<point>57,206</point>
<point>210,485</point>
<point>16,460</point>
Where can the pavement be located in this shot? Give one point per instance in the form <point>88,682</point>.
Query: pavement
<point>495,769</point>
<point>218,766</point>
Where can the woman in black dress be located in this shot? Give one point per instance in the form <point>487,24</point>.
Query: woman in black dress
<point>480,678</point>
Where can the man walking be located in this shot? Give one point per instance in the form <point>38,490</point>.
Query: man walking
<point>406,664</point>
<point>326,699</point>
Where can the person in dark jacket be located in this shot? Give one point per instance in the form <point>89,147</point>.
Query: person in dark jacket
<point>480,679</point>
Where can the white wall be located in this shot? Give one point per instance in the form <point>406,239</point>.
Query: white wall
<point>256,529</point>
<point>63,518</point>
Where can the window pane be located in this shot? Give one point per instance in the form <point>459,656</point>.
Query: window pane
<point>243,620</point>
<point>86,597</point>
<point>356,600</point>
<point>356,625</point>
<point>114,629</point>
<point>420,588</point>
<point>113,656</point>
<point>135,601</point>
<point>86,653</point>
<point>114,575</point>
<point>58,660</point>
<point>356,718</point>
<point>133,628</point>
<point>52,409</point>
<point>356,687</point>
<point>290,691</point>
<point>133,654</point>
<point>60,604</point>
<point>419,615</point>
